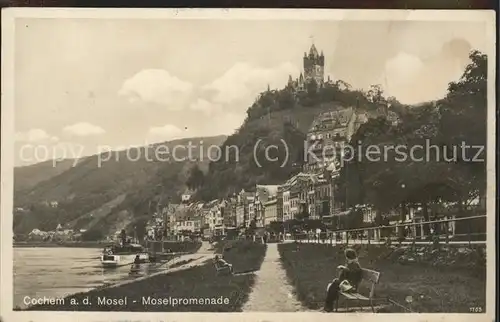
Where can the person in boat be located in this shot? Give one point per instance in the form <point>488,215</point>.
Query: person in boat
<point>137,260</point>
<point>349,277</point>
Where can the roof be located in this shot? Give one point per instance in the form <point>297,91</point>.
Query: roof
<point>313,51</point>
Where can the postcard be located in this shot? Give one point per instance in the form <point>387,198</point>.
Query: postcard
<point>243,165</point>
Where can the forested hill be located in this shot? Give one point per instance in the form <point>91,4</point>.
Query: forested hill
<point>277,116</point>
<point>115,195</point>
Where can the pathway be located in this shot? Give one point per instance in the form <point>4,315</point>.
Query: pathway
<point>272,292</point>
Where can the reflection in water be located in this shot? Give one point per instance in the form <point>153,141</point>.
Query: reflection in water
<point>58,272</point>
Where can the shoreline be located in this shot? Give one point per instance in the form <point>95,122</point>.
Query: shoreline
<point>169,266</point>
<point>193,286</point>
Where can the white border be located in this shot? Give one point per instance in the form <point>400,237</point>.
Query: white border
<point>7,128</point>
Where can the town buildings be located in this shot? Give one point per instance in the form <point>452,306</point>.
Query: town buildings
<point>263,193</point>
<point>244,208</point>
<point>270,211</point>
<point>312,193</point>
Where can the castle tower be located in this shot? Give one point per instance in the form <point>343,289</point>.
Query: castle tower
<point>314,66</point>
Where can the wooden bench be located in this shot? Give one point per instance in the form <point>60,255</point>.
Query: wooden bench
<point>370,277</point>
<point>219,268</point>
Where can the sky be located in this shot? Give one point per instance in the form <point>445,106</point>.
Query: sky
<point>85,83</point>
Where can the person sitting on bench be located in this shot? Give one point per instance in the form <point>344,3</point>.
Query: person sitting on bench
<point>348,279</point>
<point>222,263</point>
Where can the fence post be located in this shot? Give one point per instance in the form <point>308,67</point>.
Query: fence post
<point>347,238</point>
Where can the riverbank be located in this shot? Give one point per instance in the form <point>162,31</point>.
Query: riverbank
<point>191,287</point>
<point>450,279</point>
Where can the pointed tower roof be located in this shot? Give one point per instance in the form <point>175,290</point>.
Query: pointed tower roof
<point>301,77</point>
<point>290,79</point>
<point>313,51</point>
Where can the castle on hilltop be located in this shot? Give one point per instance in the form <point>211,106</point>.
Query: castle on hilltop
<point>314,70</point>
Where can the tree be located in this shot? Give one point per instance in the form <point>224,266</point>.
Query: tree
<point>304,213</point>
<point>252,227</point>
<point>354,219</point>
<point>343,86</point>
<point>285,99</point>
<point>463,118</point>
<point>92,235</point>
<point>276,227</point>
<point>375,94</point>
<point>312,88</point>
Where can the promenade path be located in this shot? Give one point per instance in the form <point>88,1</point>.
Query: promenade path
<point>272,292</point>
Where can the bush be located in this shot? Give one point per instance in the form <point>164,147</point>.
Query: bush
<point>177,247</point>
<point>92,235</point>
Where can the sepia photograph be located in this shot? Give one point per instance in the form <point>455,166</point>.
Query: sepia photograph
<point>305,161</point>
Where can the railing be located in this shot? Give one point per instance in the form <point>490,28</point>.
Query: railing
<point>462,232</point>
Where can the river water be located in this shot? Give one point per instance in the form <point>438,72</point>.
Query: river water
<point>57,272</point>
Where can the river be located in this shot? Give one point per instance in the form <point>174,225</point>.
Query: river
<point>57,272</point>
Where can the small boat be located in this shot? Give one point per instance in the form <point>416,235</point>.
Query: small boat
<point>123,252</point>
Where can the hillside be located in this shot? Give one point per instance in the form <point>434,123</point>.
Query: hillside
<point>27,177</point>
<point>91,196</point>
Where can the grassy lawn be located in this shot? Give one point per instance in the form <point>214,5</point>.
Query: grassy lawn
<point>242,254</point>
<point>454,286</point>
<point>228,292</point>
